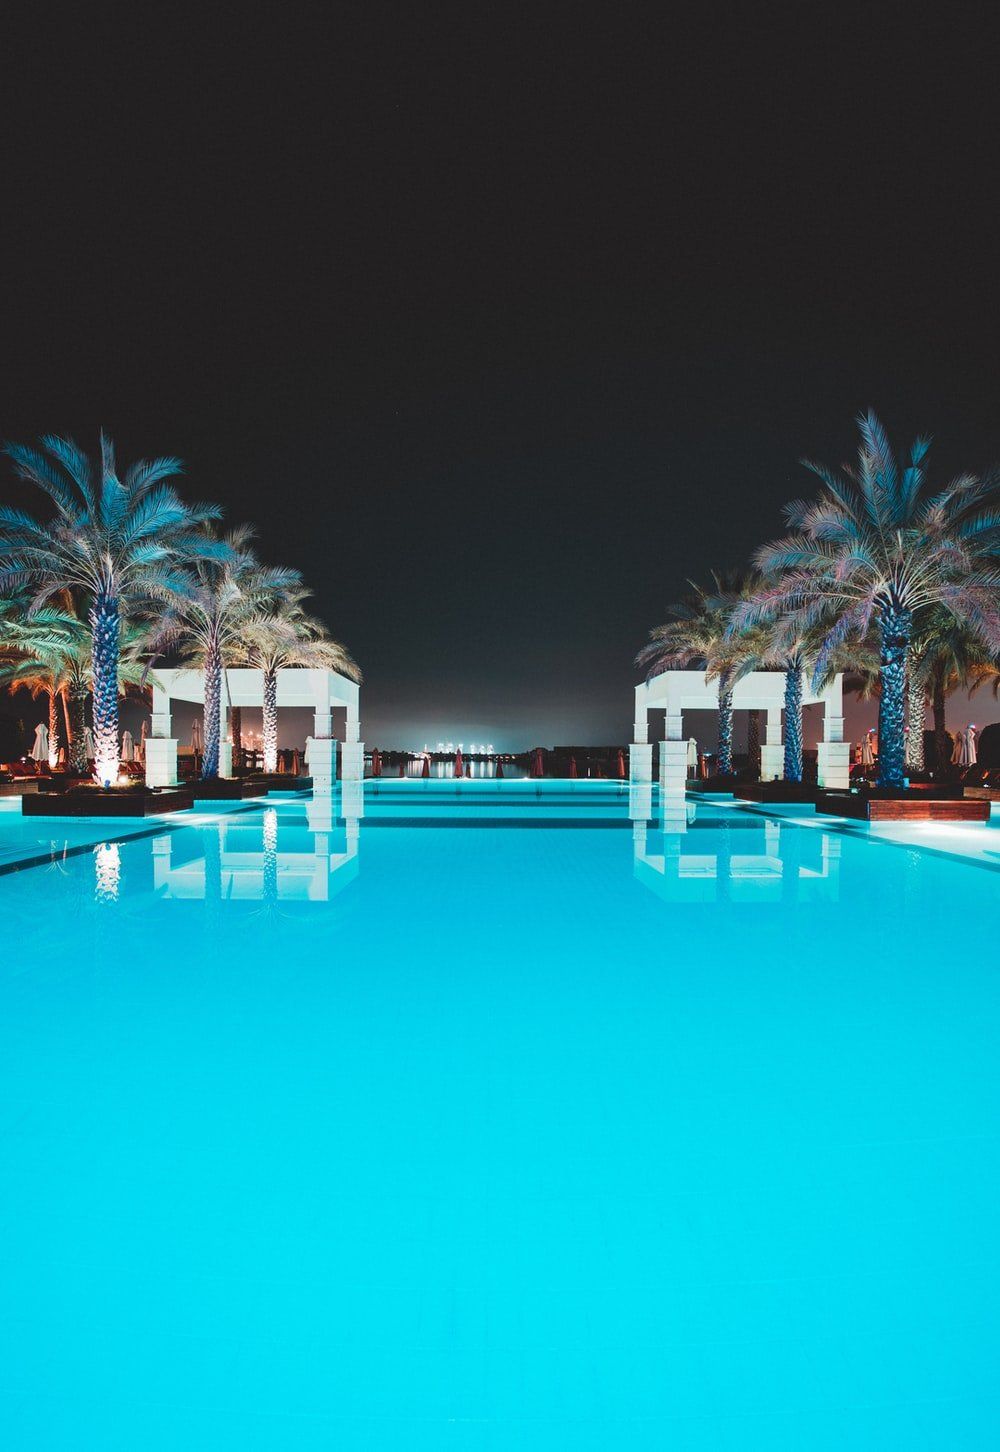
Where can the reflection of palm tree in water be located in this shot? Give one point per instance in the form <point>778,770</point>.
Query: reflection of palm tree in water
<point>270,883</point>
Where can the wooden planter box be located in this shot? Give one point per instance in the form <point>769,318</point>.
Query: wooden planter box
<point>278,781</point>
<point>775,791</point>
<point>96,803</point>
<point>918,806</point>
<point>22,787</point>
<point>225,789</point>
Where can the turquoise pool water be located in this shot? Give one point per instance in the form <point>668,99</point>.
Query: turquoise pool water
<point>496,1120</point>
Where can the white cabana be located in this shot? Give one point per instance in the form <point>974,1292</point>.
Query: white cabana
<point>675,692</point>
<point>321,691</point>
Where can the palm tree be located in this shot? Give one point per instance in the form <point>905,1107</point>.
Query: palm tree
<point>698,633</point>
<point>876,549</point>
<point>122,541</point>
<point>283,635</point>
<point>946,656</point>
<point>224,593</point>
<point>52,654</point>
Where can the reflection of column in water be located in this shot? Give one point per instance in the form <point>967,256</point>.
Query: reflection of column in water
<point>107,872</point>
<point>270,883</point>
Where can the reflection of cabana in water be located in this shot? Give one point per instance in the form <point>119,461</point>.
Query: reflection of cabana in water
<point>321,691</point>
<point>675,692</point>
<point>258,860</point>
<point>754,859</point>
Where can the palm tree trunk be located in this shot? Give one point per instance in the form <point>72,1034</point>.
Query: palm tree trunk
<point>105,626</point>
<point>236,733</point>
<point>942,753</point>
<point>213,713</point>
<point>793,721</point>
<point>53,729</point>
<point>916,706</point>
<point>725,762</point>
<point>64,696</point>
<point>753,743</point>
<point>894,632</point>
<point>269,728</point>
<point>78,735</point>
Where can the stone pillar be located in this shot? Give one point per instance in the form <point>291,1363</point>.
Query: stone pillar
<point>161,761</point>
<point>673,758</point>
<point>641,762</point>
<point>772,752</point>
<point>323,765</point>
<point>353,730</point>
<point>322,722</point>
<point>834,755</point>
<point>352,760</point>
<point>225,758</point>
<point>160,723</point>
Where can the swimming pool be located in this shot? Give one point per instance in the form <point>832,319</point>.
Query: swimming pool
<point>483,1118</point>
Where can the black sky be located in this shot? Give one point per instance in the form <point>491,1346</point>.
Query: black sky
<point>500,322</point>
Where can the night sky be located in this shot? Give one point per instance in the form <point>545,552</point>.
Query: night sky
<point>499,328</point>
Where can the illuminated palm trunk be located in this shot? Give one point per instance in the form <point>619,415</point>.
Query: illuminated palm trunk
<point>78,732</point>
<point>213,713</point>
<point>105,627</point>
<point>725,732</point>
<point>53,729</point>
<point>793,721</point>
<point>916,705</point>
<point>236,734</point>
<point>942,752</point>
<point>753,743</point>
<point>270,725</point>
<point>894,632</point>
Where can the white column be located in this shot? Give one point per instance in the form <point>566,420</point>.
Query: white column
<point>673,756</point>
<point>833,766</point>
<point>225,758</point>
<point>353,731</point>
<point>160,724</point>
<point>323,765</point>
<point>161,761</point>
<point>322,721</point>
<point>772,751</point>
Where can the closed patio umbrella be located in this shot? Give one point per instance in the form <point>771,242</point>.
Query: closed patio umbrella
<point>960,754</point>
<point>867,755</point>
<point>40,745</point>
<point>537,763</point>
<point>141,748</point>
<point>402,767</point>
<point>197,735</point>
<point>128,747</point>
<point>572,768</point>
<point>88,741</point>
<point>692,757</point>
<point>459,770</point>
<point>376,762</point>
<point>971,750</point>
<point>620,767</point>
<point>426,768</point>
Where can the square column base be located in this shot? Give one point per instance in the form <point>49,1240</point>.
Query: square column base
<point>161,761</point>
<point>833,765</point>
<point>772,761</point>
<point>640,760</point>
<point>673,768</point>
<point>323,765</point>
<point>352,760</point>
